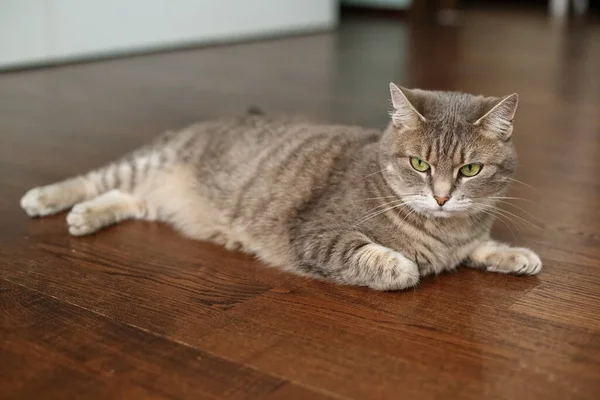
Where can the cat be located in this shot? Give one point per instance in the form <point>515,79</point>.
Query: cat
<point>350,205</point>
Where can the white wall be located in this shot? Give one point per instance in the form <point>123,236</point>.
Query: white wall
<point>42,31</point>
<point>393,4</point>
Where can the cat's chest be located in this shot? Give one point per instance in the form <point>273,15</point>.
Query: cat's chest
<point>437,258</point>
<point>437,248</point>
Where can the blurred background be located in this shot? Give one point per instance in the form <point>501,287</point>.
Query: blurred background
<point>330,59</point>
<point>478,45</point>
<point>471,45</point>
<point>42,31</point>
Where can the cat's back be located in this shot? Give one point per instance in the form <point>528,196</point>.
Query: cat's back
<point>265,149</point>
<point>254,137</point>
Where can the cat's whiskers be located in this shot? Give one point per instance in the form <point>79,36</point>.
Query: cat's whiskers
<point>509,198</point>
<point>379,207</point>
<point>499,219</point>
<point>518,217</point>
<point>373,212</point>
<point>378,198</point>
<point>497,213</point>
<point>379,212</point>
<point>383,205</point>
<point>509,179</point>
<point>389,202</point>
<point>538,204</point>
<point>371,174</point>
<point>521,182</point>
<point>515,219</point>
<point>517,207</point>
<point>395,196</point>
<point>494,215</point>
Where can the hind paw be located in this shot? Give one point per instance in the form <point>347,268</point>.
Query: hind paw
<point>41,201</point>
<point>82,220</point>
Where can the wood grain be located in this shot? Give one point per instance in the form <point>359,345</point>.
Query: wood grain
<point>137,311</point>
<point>46,343</point>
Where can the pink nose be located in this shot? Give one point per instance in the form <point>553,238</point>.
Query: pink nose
<point>441,200</point>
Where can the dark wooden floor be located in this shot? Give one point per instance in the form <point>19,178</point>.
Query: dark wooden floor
<point>136,311</point>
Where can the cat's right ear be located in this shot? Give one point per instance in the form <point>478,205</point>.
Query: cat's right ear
<point>498,121</point>
<point>404,114</point>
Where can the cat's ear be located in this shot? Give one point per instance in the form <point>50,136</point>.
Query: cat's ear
<point>498,120</point>
<point>404,113</point>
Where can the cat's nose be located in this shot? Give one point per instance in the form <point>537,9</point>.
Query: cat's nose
<point>441,200</point>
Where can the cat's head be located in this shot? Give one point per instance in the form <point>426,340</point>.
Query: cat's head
<point>447,153</point>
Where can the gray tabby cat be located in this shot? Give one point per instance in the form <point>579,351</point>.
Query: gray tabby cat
<point>351,205</point>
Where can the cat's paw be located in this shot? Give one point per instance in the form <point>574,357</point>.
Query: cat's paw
<point>498,257</point>
<point>83,220</point>
<point>387,269</point>
<point>42,201</point>
<point>513,260</point>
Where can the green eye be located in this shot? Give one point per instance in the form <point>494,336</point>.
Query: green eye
<point>419,164</point>
<point>470,169</point>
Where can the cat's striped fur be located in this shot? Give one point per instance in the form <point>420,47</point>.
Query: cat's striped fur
<point>328,201</point>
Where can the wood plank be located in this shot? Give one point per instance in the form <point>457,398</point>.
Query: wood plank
<point>58,349</point>
<point>155,289</point>
<point>578,306</point>
<point>424,347</point>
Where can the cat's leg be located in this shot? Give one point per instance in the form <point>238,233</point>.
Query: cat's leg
<point>107,209</point>
<point>59,196</point>
<point>353,259</point>
<point>381,268</point>
<point>498,257</point>
<point>54,198</point>
<point>125,174</point>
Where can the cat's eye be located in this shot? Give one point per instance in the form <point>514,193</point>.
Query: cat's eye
<point>419,164</point>
<point>470,170</point>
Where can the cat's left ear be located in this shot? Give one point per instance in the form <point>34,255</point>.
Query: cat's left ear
<point>498,121</point>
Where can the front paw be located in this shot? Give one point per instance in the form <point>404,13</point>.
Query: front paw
<point>513,260</point>
<point>385,269</point>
